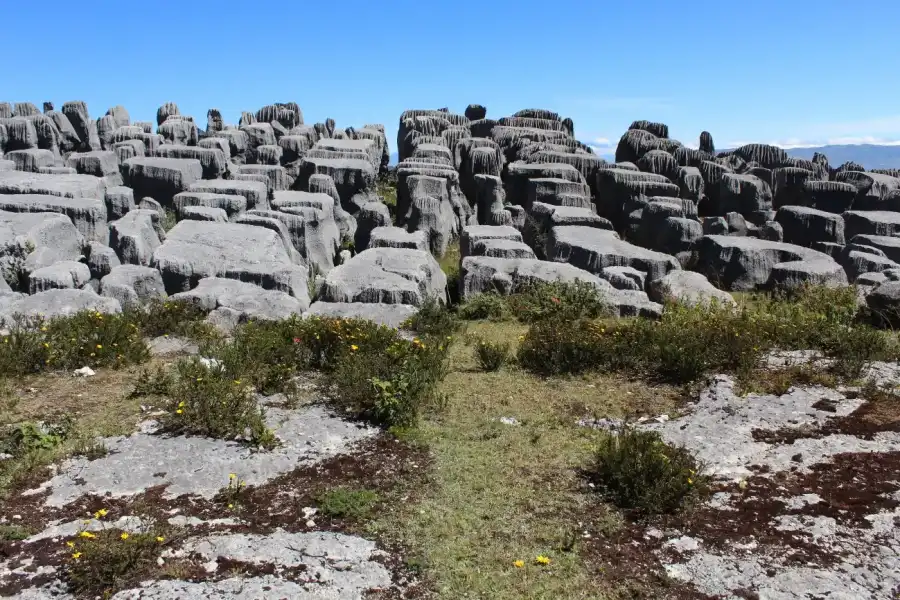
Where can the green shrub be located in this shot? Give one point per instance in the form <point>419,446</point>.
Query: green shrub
<point>638,472</point>
<point>22,438</point>
<point>433,318</point>
<point>207,401</point>
<point>557,346</point>
<point>23,349</point>
<point>172,317</point>
<point>491,355</point>
<point>489,305</point>
<point>348,503</point>
<point>541,300</point>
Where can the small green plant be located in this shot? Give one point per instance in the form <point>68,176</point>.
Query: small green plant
<point>540,300</point>
<point>347,503</point>
<point>105,560</point>
<point>26,437</point>
<point>153,382</point>
<point>90,448</point>
<point>638,472</point>
<point>205,400</point>
<point>489,305</point>
<point>13,533</point>
<point>557,346</point>
<point>433,318</point>
<point>491,355</point>
<point>232,494</point>
<point>172,317</point>
<point>169,219</point>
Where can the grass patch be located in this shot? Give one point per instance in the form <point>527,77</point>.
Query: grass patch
<point>638,472</point>
<point>501,493</point>
<point>14,533</point>
<point>433,319</point>
<point>538,301</point>
<point>347,503</point>
<point>491,355</point>
<point>387,189</point>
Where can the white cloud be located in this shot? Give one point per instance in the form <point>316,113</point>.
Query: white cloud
<point>791,143</point>
<point>601,141</point>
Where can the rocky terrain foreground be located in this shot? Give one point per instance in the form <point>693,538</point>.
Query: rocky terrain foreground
<point>273,219</point>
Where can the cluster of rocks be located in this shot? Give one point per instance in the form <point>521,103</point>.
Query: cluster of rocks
<point>264,209</point>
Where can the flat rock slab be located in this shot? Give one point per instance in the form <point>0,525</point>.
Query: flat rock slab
<point>595,249</point>
<point>389,315</point>
<point>87,214</point>
<point>69,186</point>
<point>197,249</point>
<point>29,241</point>
<point>386,275</point>
<point>199,465</point>
<point>250,301</point>
<point>56,303</point>
<point>474,234</point>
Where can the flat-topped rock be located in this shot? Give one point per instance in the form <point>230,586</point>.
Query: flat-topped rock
<point>68,274</point>
<point>194,250</point>
<point>889,245</point>
<point>133,285</point>
<point>873,222</point>
<point>388,276</point>
<point>135,236</point>
<point>480,274</point>
<point>254,192</point>
<point>397,237</point>
<point>57,303</point>
<point>803,226</point>
<point>69,186</point>
<point>551,216</point>
<point>87,214</point>
<point>161,178</point>
<point>594,249</point>
<point>746,263</point>
<point>389,315</point>
<point>232,204</point>
<point>33,159</point>
<point>687,287</point>
<point>249,301</point>
<point>475,234</point>
<point>100,163</point>
<point>30,241</point>
<point>203,213</point>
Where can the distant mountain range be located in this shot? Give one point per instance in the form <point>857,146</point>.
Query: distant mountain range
<point>871,156</point>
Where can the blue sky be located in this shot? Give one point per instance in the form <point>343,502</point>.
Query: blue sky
<point>779,71</point>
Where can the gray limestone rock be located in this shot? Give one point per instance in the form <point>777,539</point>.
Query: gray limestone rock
<point>119,201</point>
<point>397,237</point>
<point>30,241</point>
<point>386,275</point>
<point>213,161</point>
<point>474,235</point>
<point>161,178</point>
<point>255,193</point>
<point>32,160</point>
<point>872,222</point>
<point>232,204</point>
<point>134,237</point>
<point>68,186</point>
<point>803,226</point>
<point>247,300</point>
<point>196,249</point>
<point>101,260</point>
<point>624,278</point>
<point>59,302</point>
<point>87,214</point>
<point>687,287</point>
<point>101,163</point>
<point>68,274</point>
<point>133,285</point>
<point>204,213</point>
<point>370,216</point>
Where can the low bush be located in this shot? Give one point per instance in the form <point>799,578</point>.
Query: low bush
<point>206,400</point>
<point>541,300</point>
<point>433,318</point>
<point>639,473</point>
<point>102,562</point>
<point>172,317</point>
<point>491,355</point>
<point>347,503</point>
<point>557,346</point>
<point>489,305</point>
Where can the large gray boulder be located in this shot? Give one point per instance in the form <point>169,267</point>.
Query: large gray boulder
<point>386,275</point>
<point>135,236</point>
<point>687,287</point>
<point>119,202</point>
<point>242,301</point>
<point>872,222</point>
<point>255,193</point>
<point>101,260</point>
<point>58,303</point>
<point>746,263</point>
<point>133,285</point>
<point>594,249</point>
<point>69,186</point>
<point>351,177</point>
<point>369,217</point>
<point>475,235</point>
<point>888,245</point>
<point>196,249</point>
<point>87,214</point>
<point>232,204</point>
<point>161,178</point>
<point>397,237</point>
<point>32,160</point>
<point>884,303</point>
<point>30,241</point>
<point>389,315</point>
<point>67,274</point>
<point>804,226</point>
<point>434,217</point>
<point>857,260</point>
<point>481,274</point>
<point>213,160</point>
<point>101,163</point>
<point>203,213</point>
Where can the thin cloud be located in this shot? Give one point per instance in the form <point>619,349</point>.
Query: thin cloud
<point>793,143</point>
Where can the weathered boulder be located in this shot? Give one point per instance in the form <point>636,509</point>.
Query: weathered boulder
<point>87,214</point>
<point>57,303</point>
<point>804,226</point>
<point>624,278</point>
<point>248,300</point>
<point>255,193</point>
<point>884,303</point>
<point>135,237</point>
<point>873,222</point>
<point>196,249</point>
<point>32,160</point>
<point>744,194</point>
<point>397,237</point>
<point>476,235</point>
<point>386,275</point>
<point>213,161</point>
<point>370,216</point>
<point>480,274</point>
<point>69,186</point>
<point>232,204</point>
<point>119,202</point>
<point>594,249</point>
<point>101,163</point>
<point>203,213</point>
<point>351,177</point>
<point>857,260</point>
<point>746,263</point>
<point>133,285</point>
<point>888,245</point>
<point>68,274</point>
<point>161,178</point>
<point>687,287</point>
<point>101,260</point>
<point>558,192</point>
<point>30,241</point>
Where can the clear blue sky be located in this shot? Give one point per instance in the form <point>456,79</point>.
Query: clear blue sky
<point>785,71</point>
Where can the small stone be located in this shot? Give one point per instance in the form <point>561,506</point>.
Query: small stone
<point>310,523</point>
<point>211,566</point>
<point>309,511</point>
<point>84,372</point>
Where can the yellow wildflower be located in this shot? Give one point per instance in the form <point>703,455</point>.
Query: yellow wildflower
<point>231,506</point>
<point>100,513</point>
<point>99,346</point>
<point>690,481</point>
<point>124,535</point>
<point>179,411</point>
<point>232,476</point>
<point>519,564</point>
<point>237,382</point>
<point>160,539</point>
<point>542,560</point>
<point>70,544</point>
<point>76,555</point>
<point>354,347</point>
<point>87,534</point>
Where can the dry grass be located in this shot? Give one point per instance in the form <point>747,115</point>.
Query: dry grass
<point>502,493</point>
